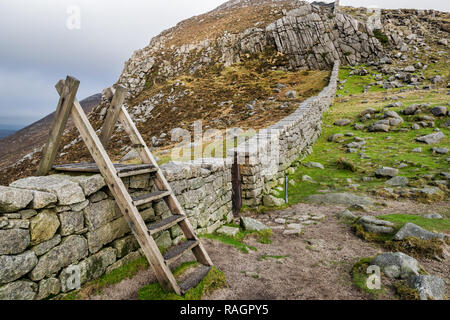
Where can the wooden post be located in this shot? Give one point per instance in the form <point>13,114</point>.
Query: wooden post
<point>68,94</point>
<point>113,115</point>
<point>237,186</point>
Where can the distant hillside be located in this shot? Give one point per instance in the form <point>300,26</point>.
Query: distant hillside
<point>20,143</point>
<point>4,133</point>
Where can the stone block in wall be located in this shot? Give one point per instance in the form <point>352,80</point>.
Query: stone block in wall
<point>71,222</point>
<point>125,245</point>
<point>47,287</point>
<point>46,246</point>
<point>140,182</point>
<point>163,239</point>
<point>43,199</point>
<point>67,191</point>
<point>89,183</point>
<point>12,267</point>
<point>14,241</point>
<point>100,213</point>
<point>19,290</point>
<point>98,196</point>
<point>43,226</point>
<point>79,206</point>
<point>125,260</point>
<point>71,250</point>
<point>13,199</point>
<point>112,231</point>
<point>175,232</point>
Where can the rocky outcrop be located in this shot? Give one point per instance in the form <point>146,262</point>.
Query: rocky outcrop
<point>310,36</point>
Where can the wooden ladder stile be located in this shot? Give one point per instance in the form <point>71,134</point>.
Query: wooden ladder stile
<point>113,174</point>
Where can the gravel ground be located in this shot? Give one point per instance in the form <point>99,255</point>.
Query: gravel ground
<point>317,263</point>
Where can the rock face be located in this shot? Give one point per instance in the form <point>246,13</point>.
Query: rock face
<point>12,199</point>
<point>396,265</point>
<point>412,230</point>
<point>340,198</point>
<point>429,287</point>
<point>311,36</point>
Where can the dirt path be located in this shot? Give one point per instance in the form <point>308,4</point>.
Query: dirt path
<point>317,265</point>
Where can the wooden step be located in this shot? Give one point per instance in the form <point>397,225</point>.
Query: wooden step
<point>195,278</point>
<point>123,170</point>
<point>165,224</point>
<point>150,197</point>
<point>178,250</point>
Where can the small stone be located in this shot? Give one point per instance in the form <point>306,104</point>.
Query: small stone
<point>440,150</point>
<point>336,137</point>
<point>386,172</point>
<point>396,265</point>
<point>342,122</point>
<point>431,138</point>
<point>228,231</point>
<point>271,201</point>
<point>397,181</point>
<point>429,287</point>
<point>307,178</point>
<point>412,230</point>
<point>291,94</point>
<point>439,111</point>
<point>433,216</point>
<point>347,214</point>
<point>253,224</point>
<point>314,165</point>
<point>417,150</point>
<point>280,221</point>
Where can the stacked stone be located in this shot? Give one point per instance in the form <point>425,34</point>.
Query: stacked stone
<point>53,225</point>
<point>268,156</point>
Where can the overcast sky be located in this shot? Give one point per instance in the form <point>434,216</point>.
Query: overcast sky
<point>37,48</point>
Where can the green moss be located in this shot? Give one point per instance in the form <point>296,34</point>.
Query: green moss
<point>238,240</point>
<point>417,247</point>
<point>380,36</point>
<point>268,256</point>
<point>360,276</point>
<point>115,276</point>
<point>405,292</point>
<point>213,280</point>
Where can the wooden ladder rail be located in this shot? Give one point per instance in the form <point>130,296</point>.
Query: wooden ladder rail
<point>120,193</point>
<point>161,183</point>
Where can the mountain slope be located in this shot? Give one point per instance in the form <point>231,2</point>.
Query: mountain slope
<point>24,141</point>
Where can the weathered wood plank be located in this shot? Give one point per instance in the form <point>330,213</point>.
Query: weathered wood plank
<point>123,200</point>
<point>162,184</point>
<point>68,93</point>
<point>112,115</point>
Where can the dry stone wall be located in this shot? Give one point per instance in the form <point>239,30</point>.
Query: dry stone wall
<point>268,156</point>
<point>53,226</point>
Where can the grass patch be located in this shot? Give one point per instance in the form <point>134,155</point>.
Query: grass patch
<point>94,287</point>
<point>238,240</point>
<point>360,276</point>
<point>417,247</point>
<point>213,280</point>
<point>429,224</point>
<point>268,257</point>
<point>405,292</point>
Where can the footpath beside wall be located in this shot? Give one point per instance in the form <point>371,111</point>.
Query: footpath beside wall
<point>56,227</point>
